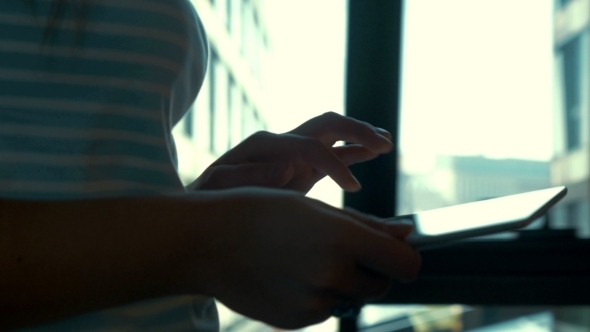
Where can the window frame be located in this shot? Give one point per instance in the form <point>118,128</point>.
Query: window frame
<point>544,268</point>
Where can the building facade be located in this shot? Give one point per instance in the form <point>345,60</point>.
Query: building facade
<point>571,164</point>
<point>463,179</point>
<point>230,105</point>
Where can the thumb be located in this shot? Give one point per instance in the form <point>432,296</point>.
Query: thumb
<point>397,229</point>
<point>271,175</point>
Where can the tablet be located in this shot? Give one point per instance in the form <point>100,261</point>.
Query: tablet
<point>441,226</point>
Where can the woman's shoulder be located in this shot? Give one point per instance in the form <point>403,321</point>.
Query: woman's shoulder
<point>175,19</point>
<point>87,102</point>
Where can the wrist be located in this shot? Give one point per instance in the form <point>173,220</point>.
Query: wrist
<point>205,223</point>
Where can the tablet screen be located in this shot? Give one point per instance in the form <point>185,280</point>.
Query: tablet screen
<point>481,214</point>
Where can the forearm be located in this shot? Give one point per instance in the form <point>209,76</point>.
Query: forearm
<point>59,259</point>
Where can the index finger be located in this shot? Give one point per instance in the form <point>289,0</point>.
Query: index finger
<point>265,147</point>
<point>330,128</point>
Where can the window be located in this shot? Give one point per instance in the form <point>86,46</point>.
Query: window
<point>485,103</point>
<point>213,92</point>
<point>476,103</point>
<point>229,14</point>
<point>564,3</point>
<point>475,55</point>
<point>267,71</point>
<point>236,108</point>
<point>222,12</point>
<point>244,9</point>
<point>188,122</point>
<point>571,76</point>
<point>221,111</point>
<point>202,116</point>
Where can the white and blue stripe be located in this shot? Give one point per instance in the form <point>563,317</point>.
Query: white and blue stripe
<point>91,118</point>
<point>94,119</point>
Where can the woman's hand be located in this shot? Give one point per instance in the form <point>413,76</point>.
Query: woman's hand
<point>287,260</point>
<point>298,159</point>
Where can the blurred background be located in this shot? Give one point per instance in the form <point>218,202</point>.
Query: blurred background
<point>493,102</point>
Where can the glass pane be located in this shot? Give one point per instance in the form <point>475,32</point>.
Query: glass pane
<point>494,102</point>
<point>268,71</point>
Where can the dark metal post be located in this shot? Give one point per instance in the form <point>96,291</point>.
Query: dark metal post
<point>372,95</point>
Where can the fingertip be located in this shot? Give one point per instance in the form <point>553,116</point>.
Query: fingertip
<point>408,261</point>
<point>413,270</point>
<point>348,183</point>
<point>388,143</point>
<point>352,189</point>
<point>384,133</point>
<point>384,145</point>
<point>390,256</point>
<point>354,186</point>
<point>412,264</point>
<point>401,231</point>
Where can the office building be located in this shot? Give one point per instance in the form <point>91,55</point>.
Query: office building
<point>571,164</point>
<point>462,179</point>
<point>230,105</point>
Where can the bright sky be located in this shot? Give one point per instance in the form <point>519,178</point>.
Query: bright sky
<point>477,74</point>
<point>308,40</point>
<point>307,75</point>
<point>477,78</point>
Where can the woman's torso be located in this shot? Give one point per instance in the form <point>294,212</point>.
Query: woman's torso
<point>89,114</point>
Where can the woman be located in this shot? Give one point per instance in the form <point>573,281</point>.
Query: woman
<point>97,232</point>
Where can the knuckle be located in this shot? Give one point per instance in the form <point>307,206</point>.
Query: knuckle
<point>325,279</point>
<point>214,177</point>
<point>312,143</point>
<point>292,322</point>
<point>218,172</point>
<point>366,129</point>
<point>318,312</point>
<point>209,173</point>
<point>331,116</point>
<point>313,310</point>
<point>307,140</point>
<point>307,143</point>
<point>333,279</point>
<point>305,319</point>
<point>260,135</point>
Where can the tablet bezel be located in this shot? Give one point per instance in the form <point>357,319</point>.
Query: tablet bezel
<point>421,241</point>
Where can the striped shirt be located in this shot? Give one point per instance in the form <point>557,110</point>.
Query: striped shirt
<point>89,114</point>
